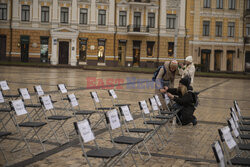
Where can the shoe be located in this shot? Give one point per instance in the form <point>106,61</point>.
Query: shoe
<point>194,121</point>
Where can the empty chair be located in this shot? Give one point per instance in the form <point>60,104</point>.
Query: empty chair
<point>26,123</point>
<point>108,155</point>
<point>6,91</point>
<point>238,122</point>
<point>114,99</point>
<point>53,116</point>
<point>239,113</point>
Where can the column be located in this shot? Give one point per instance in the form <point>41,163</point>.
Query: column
<point>111,15</point>
<point>224,60</point>
<point>15,16</point>
<point>73,60</point>
<point>74,13</point>
<point>54,56</point>
<point>92,15</point>
<point>182,17</point>
<point>35,10</point>
<point>196,19</point>
<point>163,15</point>
<point>55,14</point>
<point>211,67</point>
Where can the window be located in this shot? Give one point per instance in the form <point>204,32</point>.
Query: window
<point>219,4</point>
<point>83,16</point>
<point>25,13</point>
<point>218,29</point>
<point>122,18</point>
<point>248,4</point>
<point>3,11</point>
<point>64,15</point>
<point>44,43</point>
<point>102,17</point>
<point>45,14</point>
<point>231,4</point>
<point>171,21</point>
<point>248,29</point>
<point>170,49</point>
<point>151,20</point>
<point>206,25</point>
<point>230,30</point>
<point>206,3</point>
<point>150,47</point>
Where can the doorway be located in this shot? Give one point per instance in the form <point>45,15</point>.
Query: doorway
<point>2,47</point>
<point>25,48</point>
<point>205,60</point>
<point>247,62</point>
<point>136,53</point>
<point>122,52</point>
<point>63,52</point>
<point>230,60</point>
<point>217,59</point>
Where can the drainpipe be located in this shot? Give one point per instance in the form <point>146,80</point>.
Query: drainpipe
<point>11,10</point>
<point>244,41</point>
<point>158,35</point>
<point>115,33</point>
<point>185,37</point>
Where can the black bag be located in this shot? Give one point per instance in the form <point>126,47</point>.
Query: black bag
<point>157,71</point>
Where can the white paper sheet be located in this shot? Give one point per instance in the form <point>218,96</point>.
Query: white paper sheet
<point>114,119</point>
<point>235,130</point>
<point>220,154</point>
<point>238,109</point>
<point>1,97</point>
<point>62,88</point>
<point>158,100</point>
<point>73,100</point>
<point>47,102</point>
<point>95,97</point>
<point>4,85</point>
<point>25,94</point>
<point>39,90</point>
<point>228,137</point>
<point>85,131</point>
<point>19,107</point>
<point>154,105</point>
<point>144,107</point>
<point>112,92</point>
<point>126,113</point>
<point>235,115</point>
<point>167,100</point>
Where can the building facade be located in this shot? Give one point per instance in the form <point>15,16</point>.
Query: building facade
<point>215,34</point>
<point>138,33</point>
<point>95,32</point>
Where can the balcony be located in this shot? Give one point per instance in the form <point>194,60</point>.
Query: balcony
<point>247,13</point>
<point>247,40</point>
<point>137,30</point>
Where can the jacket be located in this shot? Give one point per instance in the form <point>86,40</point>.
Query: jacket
<point>169,75</point>
<point>187,102</point>
<point>188,71</point>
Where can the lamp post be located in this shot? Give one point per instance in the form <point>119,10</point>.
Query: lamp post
<point>176,28</point>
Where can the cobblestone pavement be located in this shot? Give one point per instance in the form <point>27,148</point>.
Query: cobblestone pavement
<point>187,146</point>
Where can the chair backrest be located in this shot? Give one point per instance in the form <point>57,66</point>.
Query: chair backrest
<point>218,153</point>
<point>112,93</point>
<point>1,97</point>
<point>18,107</point>
<point>72,99</point>
<point>4,85</point>
<point>83,127</point>
<point>113,119</point>
<point>233,128</point>
<point>237,108</point>
<point>157,100</point>
<point>24,93</point>
<point>144,107</point>
<point>46,102</point>
<point>126,113</point>
<point>38,89</point>
<point>153,104</point>
<point>62,88</point>
<point>95,99</point>
<point>226,137</point>
<point>234,119</point>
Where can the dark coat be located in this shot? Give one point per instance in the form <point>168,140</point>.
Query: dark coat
<point>187,101</point>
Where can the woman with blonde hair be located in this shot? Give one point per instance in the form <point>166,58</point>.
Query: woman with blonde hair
<point>183,97</point>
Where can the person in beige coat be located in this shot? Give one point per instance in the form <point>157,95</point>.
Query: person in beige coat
<point>188,69</point>
<point>165,80</point>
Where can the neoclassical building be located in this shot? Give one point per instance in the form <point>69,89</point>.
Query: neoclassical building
<point>138,33</point>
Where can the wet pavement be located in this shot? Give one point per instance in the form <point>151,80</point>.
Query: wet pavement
<point>187,146</point>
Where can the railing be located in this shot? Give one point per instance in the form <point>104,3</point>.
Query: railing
<point>137,28</point>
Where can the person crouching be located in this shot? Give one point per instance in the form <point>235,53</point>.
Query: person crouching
<point>183,97</point>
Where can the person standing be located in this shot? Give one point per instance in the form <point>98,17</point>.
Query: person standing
<point>165,77</point>
<point>188,70</point>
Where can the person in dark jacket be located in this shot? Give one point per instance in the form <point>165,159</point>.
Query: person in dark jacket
<point>183,97</point>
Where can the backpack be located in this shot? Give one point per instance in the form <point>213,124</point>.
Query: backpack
<point>157,71</point>
<point>195,98</point>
